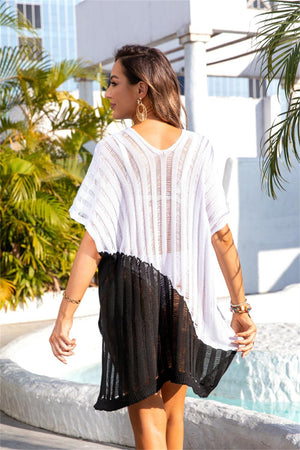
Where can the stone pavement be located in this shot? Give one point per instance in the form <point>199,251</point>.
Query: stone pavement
<point>18,435</point>
<point>9,332</point>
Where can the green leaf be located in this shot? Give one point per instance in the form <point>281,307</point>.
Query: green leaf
<point>278,44</point>
<point>20,166</point>
<point>16,21</point>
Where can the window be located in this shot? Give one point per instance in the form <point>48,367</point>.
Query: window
<point>256,88</point>
<point>227,86</point>
<point>33,44</point>
<point>258,4</point>
<point>31,12</point>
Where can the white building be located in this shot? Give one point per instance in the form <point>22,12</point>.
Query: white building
<point>55,26</point>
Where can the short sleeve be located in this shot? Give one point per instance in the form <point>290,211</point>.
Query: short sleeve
<point>216,204</point>
<point>94,206</point>
<point>84,202</point>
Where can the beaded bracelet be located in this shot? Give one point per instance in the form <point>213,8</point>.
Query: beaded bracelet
<point>242,308</point>
<point>71,300</point>
<point>239,304</point>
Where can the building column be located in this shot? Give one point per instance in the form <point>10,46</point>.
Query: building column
<point>195,79</point>
<point>270,114</point>
<point>85,88</point>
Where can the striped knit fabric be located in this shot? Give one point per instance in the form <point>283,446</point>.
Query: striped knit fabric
<point>151,214</point>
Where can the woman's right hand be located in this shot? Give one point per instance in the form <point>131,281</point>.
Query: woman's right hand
<point>62,346</point>
<point>245,332</point>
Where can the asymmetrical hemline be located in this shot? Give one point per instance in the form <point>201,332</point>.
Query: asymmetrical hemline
<point>153,388</point>
<point>151,215</point>
<point>148,336</point>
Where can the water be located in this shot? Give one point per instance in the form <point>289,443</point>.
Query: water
<point>87,375</point>
<point>290,411</point>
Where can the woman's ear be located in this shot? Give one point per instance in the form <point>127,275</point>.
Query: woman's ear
<point>142,89</point>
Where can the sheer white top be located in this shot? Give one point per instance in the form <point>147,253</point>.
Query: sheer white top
<point>161,206</point>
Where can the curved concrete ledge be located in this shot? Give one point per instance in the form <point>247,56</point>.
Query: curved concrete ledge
<point>66,407</point>
<point>60,406</point>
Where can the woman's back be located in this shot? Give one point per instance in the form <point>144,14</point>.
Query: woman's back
<point>160,206</point>
<point>158,134</point>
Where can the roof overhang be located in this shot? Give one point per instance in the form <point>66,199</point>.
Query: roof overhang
<point>104,26</point>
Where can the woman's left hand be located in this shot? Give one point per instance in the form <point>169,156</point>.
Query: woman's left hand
<point>245,332</point>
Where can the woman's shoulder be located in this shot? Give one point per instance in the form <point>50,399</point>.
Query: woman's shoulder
<point>109,141</point>
<point>201,141</point>
<point>113,140</point>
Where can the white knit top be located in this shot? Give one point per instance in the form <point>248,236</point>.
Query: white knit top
<point>161,206</point>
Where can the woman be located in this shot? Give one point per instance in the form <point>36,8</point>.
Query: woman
<point>152,207</point>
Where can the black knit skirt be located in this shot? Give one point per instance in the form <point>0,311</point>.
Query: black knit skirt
<point>148,336</point>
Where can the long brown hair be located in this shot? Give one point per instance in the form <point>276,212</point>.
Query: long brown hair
<point>150,65</point>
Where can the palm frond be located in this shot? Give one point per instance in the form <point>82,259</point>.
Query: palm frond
<point>19,180</point>
<point>283,140</point>
<point>278,42</point>
<point>65,70</point>
<point>72,145</point>
<point>48,209</point>
<point>17,61</point>
<point>9,98</point>
<point>16,21</point>
<point>14,229</point>
<point>7,288</point>
<point>74,167</point>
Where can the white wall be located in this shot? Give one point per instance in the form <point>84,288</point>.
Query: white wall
<point>235,126</point>
<point>101,28</point>
<point>266,231</point>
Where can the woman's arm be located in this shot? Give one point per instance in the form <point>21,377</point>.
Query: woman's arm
<point>83,269</point>
<point>229,262</point>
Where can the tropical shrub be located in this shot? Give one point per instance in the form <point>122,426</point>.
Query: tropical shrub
<point>43,158</point>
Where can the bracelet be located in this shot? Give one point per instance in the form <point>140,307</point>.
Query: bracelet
<point>71,300</point>
<point>240,309</point>
<point>238,304</point>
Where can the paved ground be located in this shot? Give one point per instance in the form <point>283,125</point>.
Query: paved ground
<point>17,435</point>
<point>11,331</point>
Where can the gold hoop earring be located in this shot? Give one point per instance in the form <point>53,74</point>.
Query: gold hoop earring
<point>141,110</point>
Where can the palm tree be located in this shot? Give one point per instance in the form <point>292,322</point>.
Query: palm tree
<point>14,20</point>
<point>279,46</point>
<point>43,133</point>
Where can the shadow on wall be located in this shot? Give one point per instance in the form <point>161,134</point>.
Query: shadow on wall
<point>266,231</point>
<point>292,272</point>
